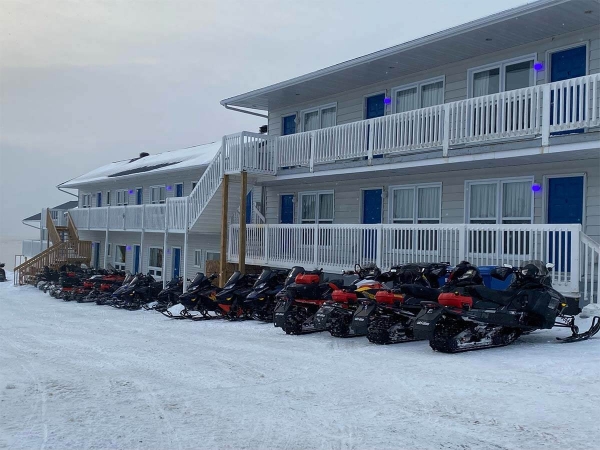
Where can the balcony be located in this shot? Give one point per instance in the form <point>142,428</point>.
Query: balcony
<point>133,217</point>
<point>530,113</point>
<point>30,248</point>
<point>334,248</point>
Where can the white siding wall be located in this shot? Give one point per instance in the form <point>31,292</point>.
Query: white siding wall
<point>348,202</point>
<point>351,104</point>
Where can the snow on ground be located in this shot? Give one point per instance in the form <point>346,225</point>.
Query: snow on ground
<point>82,376</point>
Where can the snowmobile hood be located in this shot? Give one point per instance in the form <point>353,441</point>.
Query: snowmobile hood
<point>198,279</point>
<point>237,275</point>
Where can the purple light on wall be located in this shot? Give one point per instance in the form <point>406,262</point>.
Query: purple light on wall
<point>168,251</point>
<point>128,248</point>
<point>130,191</point>
<point>536,187</point>
<point>538,66</point>
<point>387,100</point>
<point>169,188</point>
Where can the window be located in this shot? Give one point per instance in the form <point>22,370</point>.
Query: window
<point>500,201</point>
<point>502,76</point>
<point>419,95</point>
<point>139,196</point>
<point>179,190</point>
<point>108,250</point>
<point>213,256</point>
<point>120,257</point>
<point>157,194</point>
<point>322,117</point>
<point>507,201</point>
<point>122,197</point>
<point>86,200</point>
<point>194,183</point>
<point>155,261</point>
<point>316,207</point>
<point>288,125</point>
<point>415,204</point>
<point>107,198</point>
<point>197,258</point>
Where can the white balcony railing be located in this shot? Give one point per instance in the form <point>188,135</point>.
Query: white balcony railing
<point>123,218</point>
<point>338,247</point>
<point>533,112</point>
<point>30,248</point>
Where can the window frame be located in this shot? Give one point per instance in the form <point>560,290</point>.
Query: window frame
<point>501,65</point>
<point>198,261</point>
<point>182,184</point>
<point>418,85</point>
<point>317,219</point>
<point>125,197</point>
<point>156,271</point>
<point>415,188</point>
<point>499,219</point>
<point>86,200</point>
<point>158,186</point>
<point>206,253</point>
<point>107,201</point>
<point>120,265</point>
<point>108,252</point>
<point>319,109</point>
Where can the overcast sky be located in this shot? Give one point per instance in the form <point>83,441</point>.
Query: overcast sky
<point>84,83</point>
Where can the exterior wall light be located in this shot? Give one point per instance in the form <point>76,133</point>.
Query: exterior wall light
<point>536,187</point>
<point>538,66</point>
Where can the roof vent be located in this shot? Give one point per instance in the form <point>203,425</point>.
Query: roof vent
<point>144,154</point>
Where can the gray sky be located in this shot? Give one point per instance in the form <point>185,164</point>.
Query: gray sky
<point>84,83</point>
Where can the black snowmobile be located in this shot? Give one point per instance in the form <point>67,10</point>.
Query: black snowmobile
<point>168,296</point>
<point>336,314</point>
<point>478,317</point>
<point>231,299</point>
<point>200,296</point>
<point>297,306</point>
<point>142,289</point>
<point>2,273</point>
<point>108,299</point>
<point>394,311</point>
<point>261,300</point>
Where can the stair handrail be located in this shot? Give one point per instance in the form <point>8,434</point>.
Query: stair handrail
<point>206,187</point>
<point>72,229</point>
<point>52,232</point>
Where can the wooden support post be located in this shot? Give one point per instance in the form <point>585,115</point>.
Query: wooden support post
<point>224,231</point>
<point>243,194</point>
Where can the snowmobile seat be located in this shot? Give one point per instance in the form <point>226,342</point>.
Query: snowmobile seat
<point>503,298</point>
<point>421,292</point>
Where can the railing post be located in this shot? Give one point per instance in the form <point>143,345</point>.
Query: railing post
<point>275,154</point>
<point>143,234</point>
<point>370,141</point>
<point>88,218</point>
<point>223,147</point>
<point>462,243</point>
<point>311,161</point>
<point>546,115</point>
<point>379,248</point>
<point>316,246</point>
<point>446,131</point>
<point>575,277</point>
<point>185,247</point>
<point>164,278</point>
<point>106,237</point>
<point>266,243</point>
<point>240,149</point>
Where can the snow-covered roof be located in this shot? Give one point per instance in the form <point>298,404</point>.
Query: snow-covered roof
<point>191,157</point>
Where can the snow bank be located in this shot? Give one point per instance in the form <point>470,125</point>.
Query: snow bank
<point>84,376</point>
<point>590,311</point>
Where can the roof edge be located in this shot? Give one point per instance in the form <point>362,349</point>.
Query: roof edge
<point>449,32</point>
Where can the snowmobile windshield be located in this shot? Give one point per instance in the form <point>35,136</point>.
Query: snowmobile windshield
<point>534,267</point>
<point>265,276</point>
<point>233,279</point>
<point>128,279</point>
<point>198,279</point>
<point>135,281</point>
<point>296,270</point>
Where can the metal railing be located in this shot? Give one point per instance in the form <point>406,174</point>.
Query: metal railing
<point>30,248</point>
<point>339,247</point>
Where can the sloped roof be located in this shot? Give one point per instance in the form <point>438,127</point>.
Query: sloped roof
<point>197,156</point>
<point>36,217</point>
<point>63,206</point>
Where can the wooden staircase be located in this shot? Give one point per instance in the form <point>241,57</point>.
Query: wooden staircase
<point>66,248</point>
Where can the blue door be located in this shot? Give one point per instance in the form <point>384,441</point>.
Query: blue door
<point>139,197</point>
<point>287,209</point>
<point>565,205</point>
<point>375,106</point>
<point>371,214</point>
<point>96,250</point>
<point>136,259</point>
<point>176,262</point>
<point>179,190</point>
<point>249,207</point>
<point>99,199</point>
<point>289,125</point>
<point>564,65</point>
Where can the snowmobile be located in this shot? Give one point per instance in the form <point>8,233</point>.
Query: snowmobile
<point>395,311</point>
<point>262,298</point>
<point>477,317</point>
<point>231,299</point>
<point>168,296</point>
<point>96,285</point>
<point>336,314</point>
<point>297,306</point>
<point>142,289</point>
<point>200,297</point>
<point>108,299</point>
<point>2,273</point>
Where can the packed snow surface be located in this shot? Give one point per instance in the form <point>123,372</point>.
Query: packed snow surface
<point>82,376</point>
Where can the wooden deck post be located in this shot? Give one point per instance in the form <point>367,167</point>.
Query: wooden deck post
<point>224,231</point>
<point>243,194</point>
